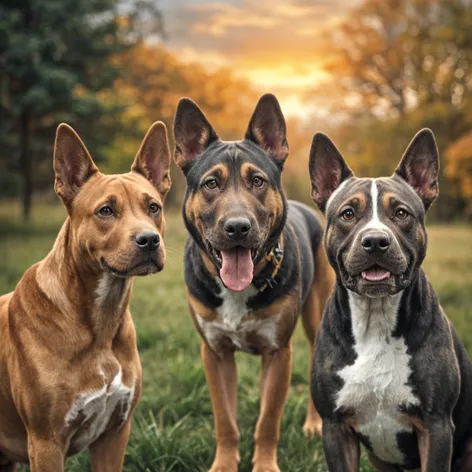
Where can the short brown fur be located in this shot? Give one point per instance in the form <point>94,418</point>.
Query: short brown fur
<point>66,329</point>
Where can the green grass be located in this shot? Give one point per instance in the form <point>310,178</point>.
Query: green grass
<point>173,426</point>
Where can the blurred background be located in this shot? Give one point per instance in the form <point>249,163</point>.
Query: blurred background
<point>370,73</point>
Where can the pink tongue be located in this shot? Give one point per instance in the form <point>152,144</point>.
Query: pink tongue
<point>238,268</point>
<point>376,274</point>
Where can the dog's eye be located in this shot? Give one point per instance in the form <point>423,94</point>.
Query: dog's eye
<point>258,182</point>
<point>348,214</point>
<point>154,208</point>
<point>105,211</point>
<point>401,214</point>
<point>211,184</point>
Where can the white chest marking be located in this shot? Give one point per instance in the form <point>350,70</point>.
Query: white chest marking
<point>233,326</point>
<point>375,386</point>
<point>96,409</point>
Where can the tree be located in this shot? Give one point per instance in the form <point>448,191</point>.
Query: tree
<point>152,82</point>
<point>393,56</point>
<point>459,168</point>
<point>400,65</point>
<point>54,63</point>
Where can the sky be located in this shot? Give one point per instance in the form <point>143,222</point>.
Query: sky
<point>276,45</point>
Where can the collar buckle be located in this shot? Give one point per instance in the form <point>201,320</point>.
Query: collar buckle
<point>274,257</point>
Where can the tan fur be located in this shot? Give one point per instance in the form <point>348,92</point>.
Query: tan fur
<point>220,369</point>
<point>221,375</point>
<point>266,331</point>
<point>423,446</point>
<point>358,200</point>
<point>67,330</point>
<point>276,372</point>
<point>386,199</point>
<point>273,203</point>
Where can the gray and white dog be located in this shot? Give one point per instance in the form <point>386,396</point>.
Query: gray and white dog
<point>389,370</point>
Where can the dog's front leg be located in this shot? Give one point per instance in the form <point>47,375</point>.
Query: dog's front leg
<point>276,372</point>
<point>221,375</point>
<point>107,454</point>
<point>341,447</point>
<point>45,455</point>
<point>435,446</point>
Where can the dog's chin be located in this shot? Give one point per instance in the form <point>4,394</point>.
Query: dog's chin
<point>376,289</point>
<point>147,268</point>
<point>373,282</point>
<point>137,269</point>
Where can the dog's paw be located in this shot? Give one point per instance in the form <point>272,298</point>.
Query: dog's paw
<point>220,467</point>
<point>265,466</point>
<point>312,428</point>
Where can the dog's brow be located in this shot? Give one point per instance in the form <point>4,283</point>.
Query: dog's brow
<point>219,171</point>
<point>359,200</point>
<point>148,198</point>
<point>391,199</point>
<point>247,169</point>
<point>112,199</point>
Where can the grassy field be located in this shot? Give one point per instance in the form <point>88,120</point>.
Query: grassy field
<point>173,427</point>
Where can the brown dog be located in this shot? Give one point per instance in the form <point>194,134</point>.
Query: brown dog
<point>69,366</point>
<point>253,262</point>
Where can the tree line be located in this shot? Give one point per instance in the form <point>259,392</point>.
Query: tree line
<point>102,66</point>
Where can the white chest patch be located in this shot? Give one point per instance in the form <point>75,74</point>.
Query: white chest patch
<point>375,386</point>
<point>233,325</point>
<point>92,411</point>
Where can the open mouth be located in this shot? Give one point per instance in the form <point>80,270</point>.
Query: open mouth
<point>218,257</point>
<point>376,274</point>
<point>236,266</point>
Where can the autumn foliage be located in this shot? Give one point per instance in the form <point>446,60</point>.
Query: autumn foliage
<point>393,67</point>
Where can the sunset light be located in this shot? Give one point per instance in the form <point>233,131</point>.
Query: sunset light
<point>275,46</point>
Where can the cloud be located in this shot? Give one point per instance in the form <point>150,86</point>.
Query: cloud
<point>277,45</point>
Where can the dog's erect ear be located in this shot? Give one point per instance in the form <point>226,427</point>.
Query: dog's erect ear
<point>268,130</point>
<point>73,165</point>
<point>327,169</point>
<point>192,133</point>
<point>153,158</point>
<point>419,166</point>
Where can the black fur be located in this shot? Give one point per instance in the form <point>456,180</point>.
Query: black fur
<point>302,234</point>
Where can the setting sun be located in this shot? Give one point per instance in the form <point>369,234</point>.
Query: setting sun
<point>275,46</point>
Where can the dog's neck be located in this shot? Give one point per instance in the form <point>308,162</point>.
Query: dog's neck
<point>407,311</point>
<point>78,287</point>
<point>373,317</point>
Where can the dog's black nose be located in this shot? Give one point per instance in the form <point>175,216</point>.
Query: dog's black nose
<point>375,242</point>
<point>237,228</point>
<point>148,240</point>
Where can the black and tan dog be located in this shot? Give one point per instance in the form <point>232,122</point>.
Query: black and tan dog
<point>252,263</point>
<point>389,370</point>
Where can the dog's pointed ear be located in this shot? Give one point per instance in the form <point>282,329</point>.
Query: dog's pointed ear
<point>72,163</point>
<point>328,169</point>
<point>153,158</point>
<point>192,133</point>
<point>419,166</point>
<point>268,130</point>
